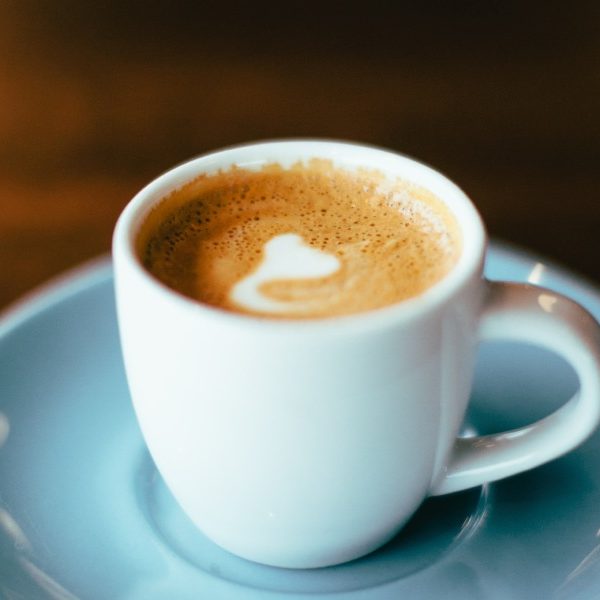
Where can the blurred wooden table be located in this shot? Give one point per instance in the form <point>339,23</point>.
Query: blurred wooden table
<point>97,100</point>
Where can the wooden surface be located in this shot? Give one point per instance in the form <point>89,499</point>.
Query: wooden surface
<point>97,100</point>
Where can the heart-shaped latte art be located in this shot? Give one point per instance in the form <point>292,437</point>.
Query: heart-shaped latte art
<point>285,256</point>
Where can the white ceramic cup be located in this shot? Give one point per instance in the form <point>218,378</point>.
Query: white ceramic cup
<point>310,443</point>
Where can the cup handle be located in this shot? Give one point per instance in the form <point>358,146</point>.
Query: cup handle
<point>526,313</point>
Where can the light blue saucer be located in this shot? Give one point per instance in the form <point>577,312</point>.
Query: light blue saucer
<point>84,515</point>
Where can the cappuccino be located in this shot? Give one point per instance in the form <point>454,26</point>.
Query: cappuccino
<point>309,241</point>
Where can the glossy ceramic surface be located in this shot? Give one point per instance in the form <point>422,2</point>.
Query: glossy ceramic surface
<point>84,515</point>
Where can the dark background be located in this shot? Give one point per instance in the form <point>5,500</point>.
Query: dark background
<point>96,99</point>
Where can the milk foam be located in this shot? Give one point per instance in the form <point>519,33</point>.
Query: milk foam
<point>309,241</point>
<point>285,257</point>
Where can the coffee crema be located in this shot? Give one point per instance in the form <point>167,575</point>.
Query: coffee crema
<point>309,241</point>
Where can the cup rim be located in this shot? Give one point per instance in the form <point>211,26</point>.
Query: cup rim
<point>344,154</point>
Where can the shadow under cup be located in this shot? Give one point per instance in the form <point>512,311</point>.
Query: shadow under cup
<point>307,442</point>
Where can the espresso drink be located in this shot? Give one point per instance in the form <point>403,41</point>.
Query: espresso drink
<point>308,241</point>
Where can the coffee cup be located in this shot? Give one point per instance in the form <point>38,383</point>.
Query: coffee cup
<point>299,323</point>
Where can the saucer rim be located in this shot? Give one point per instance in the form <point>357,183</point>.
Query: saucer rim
<point>55,290</point>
